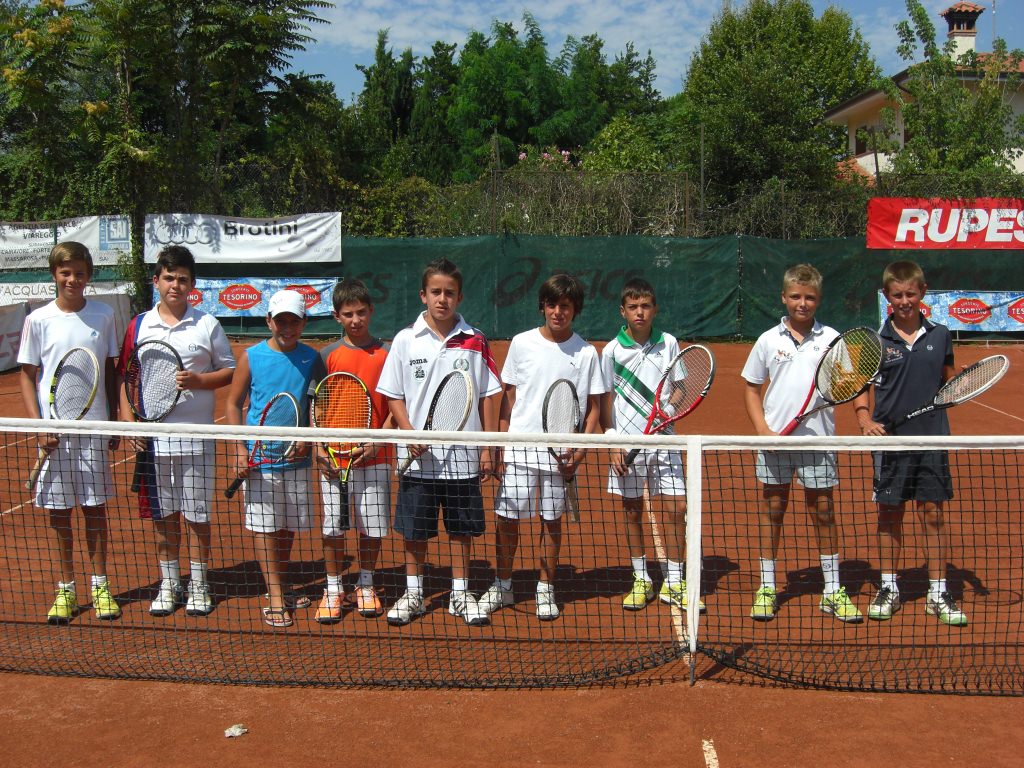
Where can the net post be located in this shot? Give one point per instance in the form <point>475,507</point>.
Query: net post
<point>694,511</point>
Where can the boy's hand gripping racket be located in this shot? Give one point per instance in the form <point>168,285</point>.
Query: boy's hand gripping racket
<point>683,387</point>
<point>449,409</point>
<point>562,414</point>
<point>846,369</point>
<point>72,391</point>
<point>966,385</point>
<point>281,411</point>
<point>151,386</point>
<point>341,402</point>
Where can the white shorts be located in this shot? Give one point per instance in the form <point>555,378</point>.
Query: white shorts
<point>184,484</point>
<point>76,473</point>
<point>814,469</point>
<point>662,471</point>
<point>369,502</point>
<point>525,489</point>
<point>278,501</point>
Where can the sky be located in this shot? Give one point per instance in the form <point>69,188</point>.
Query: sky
<point>670,29</point>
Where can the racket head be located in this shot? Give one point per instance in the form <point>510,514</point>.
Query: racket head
<point>849,365</point>
<point>683,386</point>
<point>972,381</point>
<point>75,381</point>
<point>561,412</point>
<point>149,380</point>
<point>341,401</point>
<point>452,403</point>
<point>282,410</point>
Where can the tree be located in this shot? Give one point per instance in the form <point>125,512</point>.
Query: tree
<point>956,113</point>
<point>759,84</point>
<point>432,141</point>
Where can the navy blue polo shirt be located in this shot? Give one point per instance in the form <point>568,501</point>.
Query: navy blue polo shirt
<point>909,378</point>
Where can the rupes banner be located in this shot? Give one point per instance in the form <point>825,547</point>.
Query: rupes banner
<point>910,222</point>
<point>27,245</point>
<point>308,237</point>
<point>249,297</point>
<point>970,310</point>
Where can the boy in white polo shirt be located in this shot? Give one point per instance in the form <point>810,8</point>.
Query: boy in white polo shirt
<point>178,479</point>
<point>787,357</point>
<point>533,482</point>
<point>444,476</point>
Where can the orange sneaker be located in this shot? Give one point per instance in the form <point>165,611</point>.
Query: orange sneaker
<point>367,602</point>
<point>329,611</point>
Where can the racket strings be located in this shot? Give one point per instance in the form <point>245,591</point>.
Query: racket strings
<point>450,405</point>
<point>74,384</point>
<point>849,365</point>
<point>280,412</point>
<point>152,385</point>
<point>342,405</point>
<point>972,381</point>
<point>562,410</point>
<point>686,382</point>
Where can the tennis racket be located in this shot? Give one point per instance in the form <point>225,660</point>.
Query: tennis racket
<point>72,391</point>
<point>562,414</point>
<point>151,386</point>
<point>846,369</point>
<point>341,402</point>
<point>449,409</point>
<point>683,386</point>
<point>281,411</point>
<point>966,385</point>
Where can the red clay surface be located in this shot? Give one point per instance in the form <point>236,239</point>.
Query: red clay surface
<point>67,721</point>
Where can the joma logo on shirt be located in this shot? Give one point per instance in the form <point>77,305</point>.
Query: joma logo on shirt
<point>418,361</point>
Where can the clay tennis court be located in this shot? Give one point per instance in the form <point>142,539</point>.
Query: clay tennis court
<point>719,721</point>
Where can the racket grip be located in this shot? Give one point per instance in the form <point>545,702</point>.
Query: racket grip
<point>631,457</point>
<point>406,463</point>
<point>33,476</point>
<point>140,457</point>
<point>788,429</point>
<point>572,499</point>
<point>233,488</point>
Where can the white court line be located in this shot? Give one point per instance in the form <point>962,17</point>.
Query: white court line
<point>1004,413</point>
<point>710,755</point>
<point>659,550</point>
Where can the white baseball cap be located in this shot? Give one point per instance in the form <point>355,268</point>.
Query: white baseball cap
<point>287,301</point>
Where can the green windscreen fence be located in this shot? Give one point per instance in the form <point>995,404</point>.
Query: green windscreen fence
<point>726,287</point>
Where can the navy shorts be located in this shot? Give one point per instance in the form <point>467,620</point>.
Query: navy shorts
<point>917,476</point>
<point>461,503</point>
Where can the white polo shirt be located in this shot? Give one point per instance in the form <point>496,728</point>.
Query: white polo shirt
<point>532,365</point>
<point>200,340</point>
<point>789,369</point>
<point>414,368</point>
<point>633,371</point>
<point>49,332</point>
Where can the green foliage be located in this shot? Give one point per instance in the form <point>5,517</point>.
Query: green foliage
<point>956,113</point>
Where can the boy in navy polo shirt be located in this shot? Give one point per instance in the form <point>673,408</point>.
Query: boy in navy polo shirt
<point>917,359</point>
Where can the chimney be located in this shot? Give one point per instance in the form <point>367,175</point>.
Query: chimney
<point>962,18</point>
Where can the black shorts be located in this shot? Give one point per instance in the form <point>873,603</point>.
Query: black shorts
<point>460,501</point>
<point>912,476</point>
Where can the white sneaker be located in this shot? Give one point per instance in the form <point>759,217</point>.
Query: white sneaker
<point>494,598</point>
<point>167,600</point>
<point>408,607</point>
<point>199,601</point>
<point>464,604</point>
<point>547,608</point>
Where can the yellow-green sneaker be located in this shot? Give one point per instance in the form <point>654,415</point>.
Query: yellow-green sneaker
<point>64,608</point>
<point>641,593</point>
<point>104,604</point>
<point>676,595</point>
<point>765,605</point>
<point>838,604</point>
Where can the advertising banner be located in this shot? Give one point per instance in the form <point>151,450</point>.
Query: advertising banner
<point>910,222</point>
<point>27,245</point>
<point>249,297</point>
<point>970,310</point>
<point>17,293</point>
<point>308,237</point>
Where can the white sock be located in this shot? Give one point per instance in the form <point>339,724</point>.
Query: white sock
<point>198,572</point>
<point>460,585</point>
<point>889,580</point>
<point>414,584</point>
<point>543,586</point>
<point>767,573</point>
<point>99,580</point>
<point>830,570</point>
<point>67,585</point>
<point>170,571</point>
<point>640,567</point>
<point>365,578</point>
<point>676,572</point>
<point>505,584</point>
<point>936,587</point>
<point>334,588</point>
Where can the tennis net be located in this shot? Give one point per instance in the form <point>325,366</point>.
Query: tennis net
<point>605,631</point>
